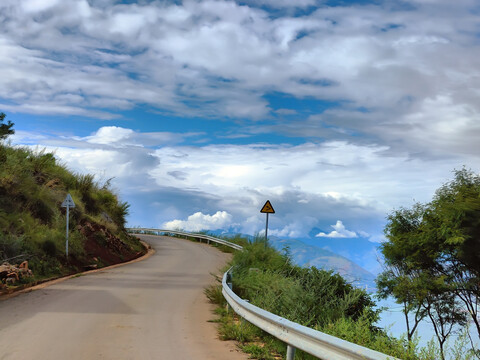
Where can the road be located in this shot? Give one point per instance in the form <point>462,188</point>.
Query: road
<point>152,309</point>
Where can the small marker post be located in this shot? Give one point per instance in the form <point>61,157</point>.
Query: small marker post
<point>66,242</point>
<point>267,209</point>
<point>266,230</point>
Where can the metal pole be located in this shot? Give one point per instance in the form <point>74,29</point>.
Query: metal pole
<point>266,232</point>
<point>290,352</point>
<point>66,243</point>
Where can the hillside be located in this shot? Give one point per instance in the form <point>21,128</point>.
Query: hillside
<point>306,255</point>
<point>33,224</point>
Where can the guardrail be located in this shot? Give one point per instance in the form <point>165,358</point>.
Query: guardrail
<point>314,342</point>
<point>296,336</point>
<point>207,238</point>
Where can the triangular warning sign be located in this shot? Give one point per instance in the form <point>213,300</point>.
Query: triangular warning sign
<point>267,208</point>
<point>68,202</point>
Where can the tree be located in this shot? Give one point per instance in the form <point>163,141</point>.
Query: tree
<point>443,311</point>
<point>396,281</point>
<point>400,279</point>
<point>432,257</point>
<point>456,216</point>
<point>5,129</point>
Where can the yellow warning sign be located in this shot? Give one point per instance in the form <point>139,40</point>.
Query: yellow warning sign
<point>267,208</point>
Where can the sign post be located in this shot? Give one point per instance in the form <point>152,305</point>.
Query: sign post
<point>267,209</point>
<point>68,203</point>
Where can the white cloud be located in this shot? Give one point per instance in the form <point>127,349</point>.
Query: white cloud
<point>310,185</point>
<point>282,3</point>
<point>109,135</point>
<point>337,170</point>
<point>219,59</point>
<point>200,221</point>
<point>404,84</point>
<point>339,231</point>
<point>294,229</point>
<point>115,136</point>
<point>38,5</point>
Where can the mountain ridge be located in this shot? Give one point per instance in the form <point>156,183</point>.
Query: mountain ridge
<point>307,255</point>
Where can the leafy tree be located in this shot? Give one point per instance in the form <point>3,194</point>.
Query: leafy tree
<point>456,218</point>
<point>443,311</point>
<point>404,286</point>
<point>432,257</point>
<point>5,129</point>
<point>400,279</point>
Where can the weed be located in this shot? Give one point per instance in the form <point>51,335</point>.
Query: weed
<point>258,351</point>
<point>214,294</point>
<point>232,328</point>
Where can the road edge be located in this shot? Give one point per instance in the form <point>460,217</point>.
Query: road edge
<point>6,296</point>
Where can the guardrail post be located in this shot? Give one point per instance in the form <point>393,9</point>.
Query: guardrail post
<point>243,319</point>
<point>290,352</point>
<point>230,285</point>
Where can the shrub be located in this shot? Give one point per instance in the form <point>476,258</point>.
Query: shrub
<point>49,248</point>
<point>41,210</point>
<point>10,246</point>
<point>312,297</point>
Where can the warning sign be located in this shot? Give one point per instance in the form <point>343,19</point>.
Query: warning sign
<point>267,208</point>
<point>68,202</point>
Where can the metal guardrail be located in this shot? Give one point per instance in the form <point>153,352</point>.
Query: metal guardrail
<point>207,238</point>
<point>296,336</point>
<point>314,342</point>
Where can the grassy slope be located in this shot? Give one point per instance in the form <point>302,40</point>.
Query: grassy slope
<point>312,297</point>
<point>32,221</point>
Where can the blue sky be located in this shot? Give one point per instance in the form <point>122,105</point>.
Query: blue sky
<point>337,112</point>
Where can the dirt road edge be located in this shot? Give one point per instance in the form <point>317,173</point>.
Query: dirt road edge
<point>49,282</point>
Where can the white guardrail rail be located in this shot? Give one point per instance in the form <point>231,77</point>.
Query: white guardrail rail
<point>296,336</point>
<point>207,238</point>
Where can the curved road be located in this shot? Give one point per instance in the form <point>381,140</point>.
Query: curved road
<point>152,309</point>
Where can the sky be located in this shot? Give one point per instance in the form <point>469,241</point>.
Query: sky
<point>338,112</point>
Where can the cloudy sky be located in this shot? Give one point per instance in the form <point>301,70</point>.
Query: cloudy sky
<point>335,111</point>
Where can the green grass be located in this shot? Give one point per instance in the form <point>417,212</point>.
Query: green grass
<point>316,298</point>
<point>258,351</point>
<point>32,187</point>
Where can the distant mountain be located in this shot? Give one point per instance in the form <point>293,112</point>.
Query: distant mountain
<point>309,255</point>
<point>360,250</point>
<point>306,255</point>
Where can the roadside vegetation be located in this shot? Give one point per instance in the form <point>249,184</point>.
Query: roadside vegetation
<point>33,224</point>
<point>309,296</point>
<point>312,297</point>
<point>432,256</point>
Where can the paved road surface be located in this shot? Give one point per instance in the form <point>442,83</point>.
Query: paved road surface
<point>152,309</point>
